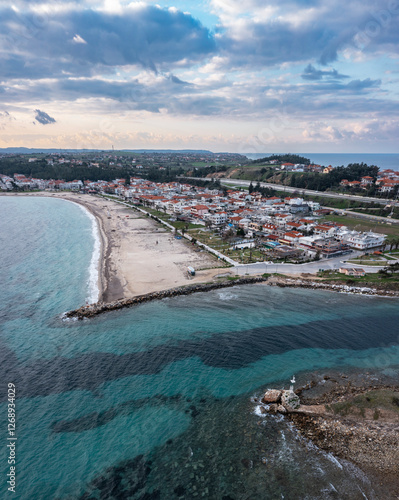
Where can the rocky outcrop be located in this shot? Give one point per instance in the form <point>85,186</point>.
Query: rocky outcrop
<point>100,307</point>
<point>280,401</point>
<point>272,396</point>
<point>335,421</point>
<point>289,400</point>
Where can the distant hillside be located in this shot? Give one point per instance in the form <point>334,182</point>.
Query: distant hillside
<point>188,151</point>
<point>27,151</point>
<point>286,158</point>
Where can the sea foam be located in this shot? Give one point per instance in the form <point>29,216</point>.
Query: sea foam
<point>94,267</point>
<point>93,290</point>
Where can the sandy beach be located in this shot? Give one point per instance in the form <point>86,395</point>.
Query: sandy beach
<point>139,255</point>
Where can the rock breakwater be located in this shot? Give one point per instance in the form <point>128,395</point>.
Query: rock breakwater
<point>335,287</point>
<point>100,307</point>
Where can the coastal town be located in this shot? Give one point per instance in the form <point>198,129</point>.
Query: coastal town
<point>246,226</point>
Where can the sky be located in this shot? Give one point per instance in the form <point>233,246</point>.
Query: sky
<point>239,76</point>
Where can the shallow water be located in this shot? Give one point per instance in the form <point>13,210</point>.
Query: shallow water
<point>155,401</point>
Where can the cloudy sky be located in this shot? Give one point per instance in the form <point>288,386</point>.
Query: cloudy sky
<point>225,75</point>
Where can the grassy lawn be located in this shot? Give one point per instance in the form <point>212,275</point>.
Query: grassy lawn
<point>364,225</point>
<point>369,260</point>
<point>363,262</point>
<point>361,280</point>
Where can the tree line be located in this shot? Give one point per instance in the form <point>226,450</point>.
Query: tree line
<point>322,182</point>
<point>40,169</point>
<point>286,158</point>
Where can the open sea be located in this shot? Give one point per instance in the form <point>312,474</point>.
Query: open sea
<point>154,402</point>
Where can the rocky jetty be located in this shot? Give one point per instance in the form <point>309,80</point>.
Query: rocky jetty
<point>100,307</point>
<point>342,287</point>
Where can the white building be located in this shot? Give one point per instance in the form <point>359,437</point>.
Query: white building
<point>363,241</point>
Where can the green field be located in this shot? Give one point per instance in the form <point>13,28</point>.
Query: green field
<point>372,278</point>
<point>364,225</point>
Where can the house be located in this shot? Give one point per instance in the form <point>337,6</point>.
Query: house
<point>218,218</point>
<point>388,186</point>
<point>325,229</point>
<point>269,228</point>
<point>366,181</point>
<point>199,210</point>
<point>328,247</point>
<point>363,241</point>
<point>295,226</point>
<point>290,238</point>
<point>352,271</point>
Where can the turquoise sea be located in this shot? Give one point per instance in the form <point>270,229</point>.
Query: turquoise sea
<point>154,402</point>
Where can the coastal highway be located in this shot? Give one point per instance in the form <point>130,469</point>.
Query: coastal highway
<point>288,189</point>
<point>360,215</point>
<point>297,269</point>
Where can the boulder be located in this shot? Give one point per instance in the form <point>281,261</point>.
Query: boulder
<point>281,409</point>
<point>272,396</point>
<point>290,400</point>
<point>273,408</point>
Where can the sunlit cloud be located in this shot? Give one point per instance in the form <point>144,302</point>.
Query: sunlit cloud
<point>326,67</point>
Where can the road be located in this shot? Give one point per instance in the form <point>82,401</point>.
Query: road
<point>262,267</point>
<point>288,189</point>
<point>311,267</point>
<point>360,215</point>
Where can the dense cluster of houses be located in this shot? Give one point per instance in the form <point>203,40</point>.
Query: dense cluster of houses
<point>299,167</point>
<point>290,227</point>
<point>386,181</point>
<point>29,183</point>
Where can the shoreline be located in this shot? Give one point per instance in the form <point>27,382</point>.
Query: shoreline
<point>95,281</point>
<point>140,261</point>
<point>137,255</point>
<point>95,309</point>
<point>100,238</point>
<point>352,415</point>
<point>99,308</point>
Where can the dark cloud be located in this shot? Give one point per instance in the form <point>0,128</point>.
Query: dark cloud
<point>249,99</point>
<point>311,73</point>
<point>322,31</point>
<point>52,45</point>
<point>82,53</point>
<point>43,117</point>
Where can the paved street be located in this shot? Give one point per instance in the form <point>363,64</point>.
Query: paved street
<point>311,267</point>
<point>288,189</point>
